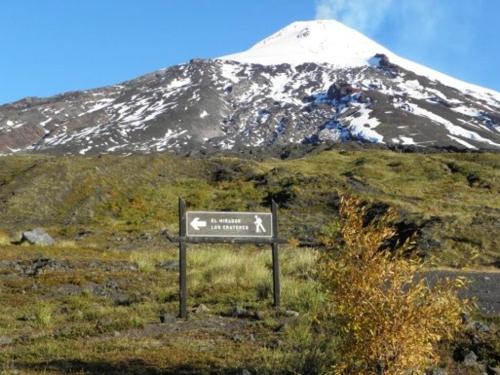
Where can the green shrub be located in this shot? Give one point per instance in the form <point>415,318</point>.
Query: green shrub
<point>44,316</point>
<point>264,290</point>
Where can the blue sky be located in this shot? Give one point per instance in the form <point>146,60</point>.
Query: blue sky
<point>52,46</point>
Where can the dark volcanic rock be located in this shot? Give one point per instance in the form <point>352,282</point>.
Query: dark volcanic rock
<point>208,106</point>
<point>383,61</point>
<point>34,267</point>
<point>339,90</point>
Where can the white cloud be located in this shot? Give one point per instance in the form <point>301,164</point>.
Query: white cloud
<point>441,34</point>
<point>411,25</point>
<point>364,15</point>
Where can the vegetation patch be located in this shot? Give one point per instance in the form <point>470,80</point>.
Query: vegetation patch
<point>104,298</point>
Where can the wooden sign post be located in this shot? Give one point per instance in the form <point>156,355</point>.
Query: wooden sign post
<point>226,227</point>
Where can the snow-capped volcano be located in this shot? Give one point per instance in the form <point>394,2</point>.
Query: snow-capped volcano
<point>325,41</point>
<point>331,42</point>
<point>309,83</point>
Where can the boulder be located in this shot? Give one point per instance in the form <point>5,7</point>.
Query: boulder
<point>290,314</point>
<point>166,318</point>
<point>339,90</point>
<point>170,265</point>
<point>38,236</point>
<point>242,313</point>
<point>237,338</point>
<point>382,61</point>
<point>470,359</point>
<point>480,327</point>
<point>239,312</point>
<point>4,340</point>
<point>201,309</point>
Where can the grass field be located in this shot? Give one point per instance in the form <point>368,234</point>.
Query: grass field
<point>452,201</point>
<point>94,302</point>
<point>99,311</point>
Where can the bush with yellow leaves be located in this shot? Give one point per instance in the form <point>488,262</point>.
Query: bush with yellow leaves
<point>385,317</point>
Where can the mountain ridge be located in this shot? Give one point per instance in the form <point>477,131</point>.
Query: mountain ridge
<point>224,104</point>
<point>354,45</point>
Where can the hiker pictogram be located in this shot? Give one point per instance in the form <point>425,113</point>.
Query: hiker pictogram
<point>259,228</point>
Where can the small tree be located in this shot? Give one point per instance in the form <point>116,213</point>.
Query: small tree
<point>386,319</point>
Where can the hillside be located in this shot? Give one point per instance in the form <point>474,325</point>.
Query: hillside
<point>450,202</point>
<point>104,298</point>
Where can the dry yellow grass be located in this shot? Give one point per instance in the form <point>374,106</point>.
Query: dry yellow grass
<point>147,260</point>
<point>4,239</point>
<point>224,268</point>
<point>67,244</point>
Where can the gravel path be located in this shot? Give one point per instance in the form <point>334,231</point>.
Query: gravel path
<point>484,287</point>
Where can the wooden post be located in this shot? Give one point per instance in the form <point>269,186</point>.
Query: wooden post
<point>182,260</point>
<point>200,232</point>
<point>275,250</point>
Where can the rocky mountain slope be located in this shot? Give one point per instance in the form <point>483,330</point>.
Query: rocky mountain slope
<point>310,83</point>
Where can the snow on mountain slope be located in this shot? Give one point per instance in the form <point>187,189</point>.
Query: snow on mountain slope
<point>312,42</point>
<point>310,83</point>
<point>331,42</point>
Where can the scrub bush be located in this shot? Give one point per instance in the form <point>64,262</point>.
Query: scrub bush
<point>385,317</point>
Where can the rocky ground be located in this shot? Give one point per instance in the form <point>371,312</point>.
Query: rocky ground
<point>69,309</point>
<point>72,309</point>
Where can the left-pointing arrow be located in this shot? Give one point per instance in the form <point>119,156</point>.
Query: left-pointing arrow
<point>197,223</point>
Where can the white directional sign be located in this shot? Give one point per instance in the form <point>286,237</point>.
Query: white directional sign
<point>229,224</point>
<point>234,227</point>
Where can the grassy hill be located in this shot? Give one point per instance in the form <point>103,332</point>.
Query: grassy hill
<point>104,298</point>
<point>450,202</point>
